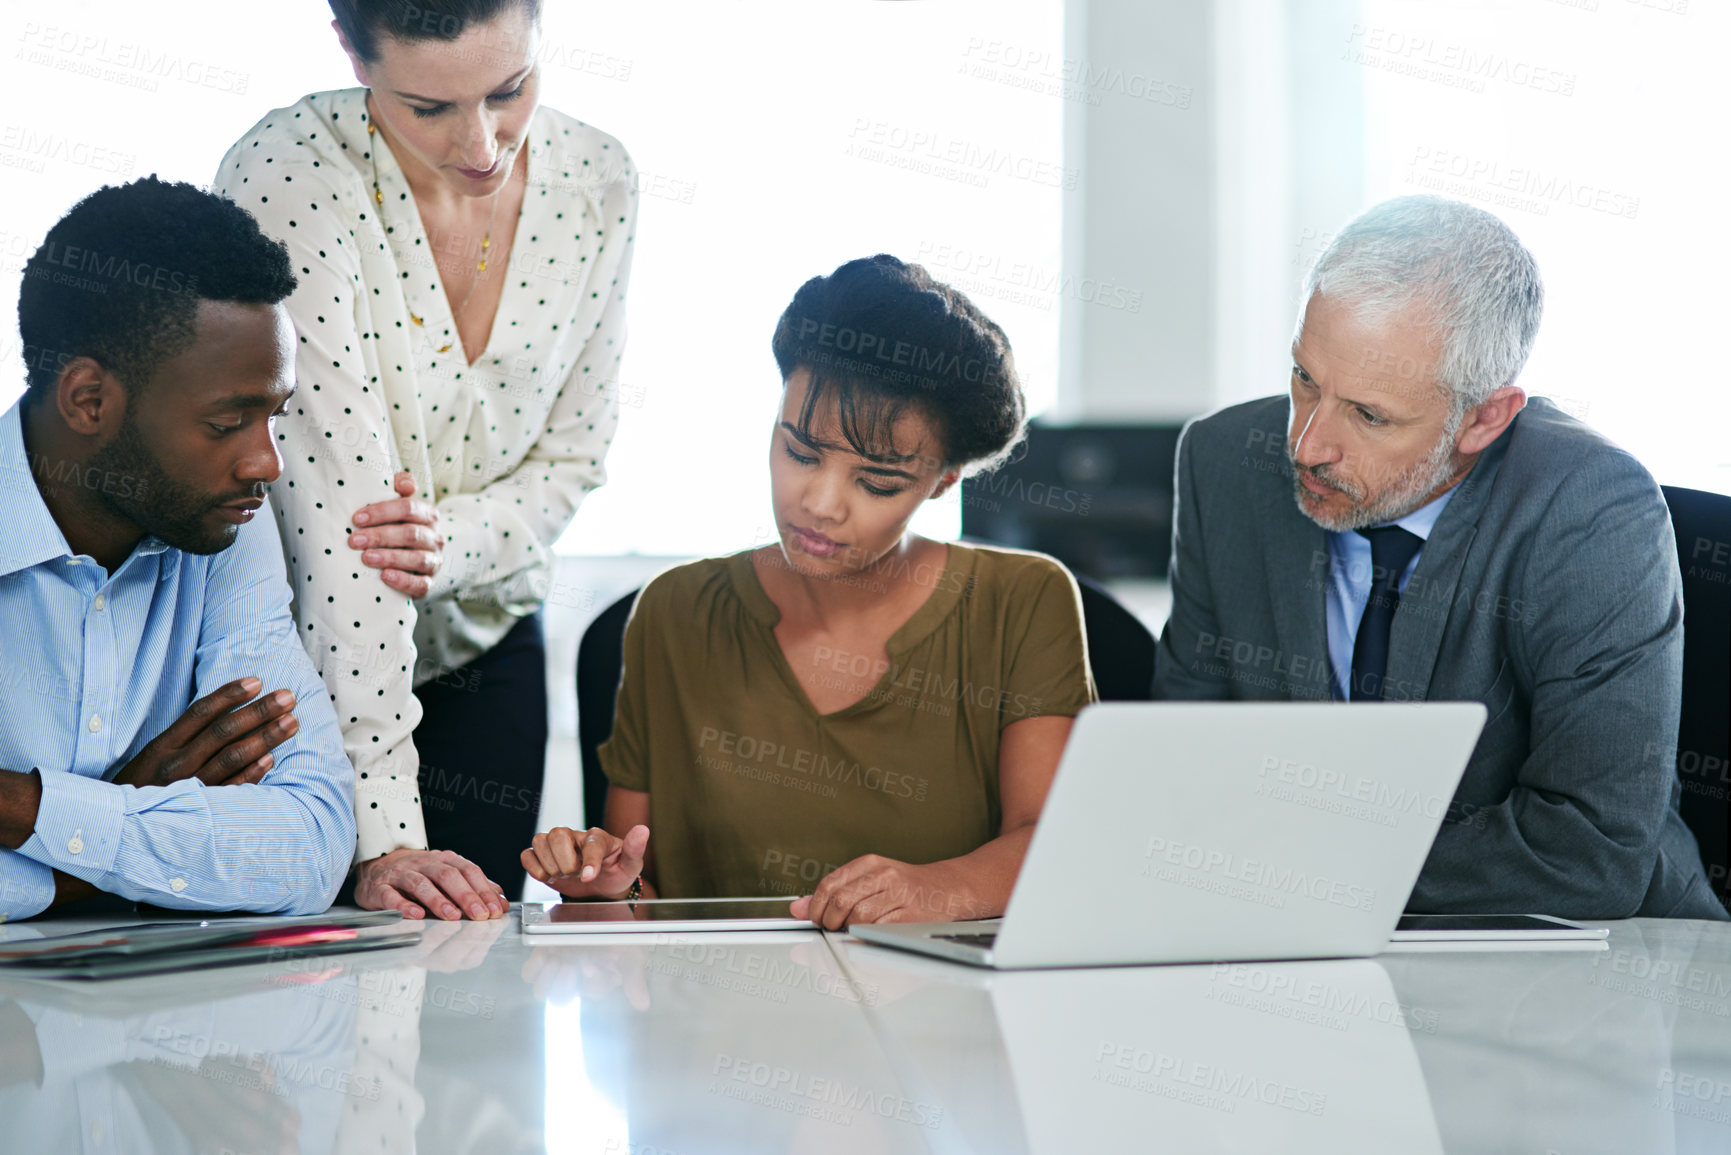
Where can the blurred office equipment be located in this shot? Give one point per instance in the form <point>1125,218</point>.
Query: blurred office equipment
<point>1096,497</point>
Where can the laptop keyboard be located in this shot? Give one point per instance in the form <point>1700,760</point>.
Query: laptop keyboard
<point>983,940</point>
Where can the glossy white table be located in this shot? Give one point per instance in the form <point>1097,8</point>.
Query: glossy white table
<point>475,1041</point>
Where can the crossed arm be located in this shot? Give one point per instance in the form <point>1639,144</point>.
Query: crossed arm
<point>225,739</point>
<point>242,802</point>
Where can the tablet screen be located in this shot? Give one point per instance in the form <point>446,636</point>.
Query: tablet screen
<point>671,910</point>
<point>1479,922</point>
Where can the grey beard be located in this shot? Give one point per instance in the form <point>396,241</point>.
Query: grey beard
<point>1409,491</point>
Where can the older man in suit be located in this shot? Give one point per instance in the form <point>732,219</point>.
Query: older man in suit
<point>1405,525</point>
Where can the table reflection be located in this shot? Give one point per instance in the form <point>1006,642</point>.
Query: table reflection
<point>320,1054</point>
<point>1299,1057</point>
<point>725,1043</point>
<point>477,1042</point>
<point>1621,1050</point>
<point>249,1067</point>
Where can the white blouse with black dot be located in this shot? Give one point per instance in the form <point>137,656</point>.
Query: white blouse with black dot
<point>507,448</point>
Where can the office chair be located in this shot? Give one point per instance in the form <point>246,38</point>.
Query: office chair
<point>1120,654</point>
<point>600,660</point>
<point>1120,647</point>
<point>1703,525</point>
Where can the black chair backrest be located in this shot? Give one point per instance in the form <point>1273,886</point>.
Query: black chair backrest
<point>600,660</point>
<point>1120,654</point>
<point>1703,525</point>
<point>1120,647</point>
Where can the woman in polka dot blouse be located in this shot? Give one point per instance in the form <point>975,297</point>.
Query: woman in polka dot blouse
<point>463,256</point>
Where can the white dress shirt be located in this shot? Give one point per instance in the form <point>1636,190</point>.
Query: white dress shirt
<point>1349,581</point>
<point>507,447</point>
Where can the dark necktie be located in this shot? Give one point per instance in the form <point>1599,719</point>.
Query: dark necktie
<point>1391,551</point>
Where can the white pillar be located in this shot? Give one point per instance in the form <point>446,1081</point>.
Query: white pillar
<point>1209,193</point>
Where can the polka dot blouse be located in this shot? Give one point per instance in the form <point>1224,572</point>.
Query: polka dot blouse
<point>507,447</point>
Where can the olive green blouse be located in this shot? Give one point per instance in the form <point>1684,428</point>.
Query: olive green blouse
<point>752,791</point>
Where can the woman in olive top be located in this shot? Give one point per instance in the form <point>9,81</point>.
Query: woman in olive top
<point>855,714</point>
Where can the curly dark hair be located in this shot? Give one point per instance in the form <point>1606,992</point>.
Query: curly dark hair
<point>119,278</point>
<point>881,335</point>
<point>364,21</point>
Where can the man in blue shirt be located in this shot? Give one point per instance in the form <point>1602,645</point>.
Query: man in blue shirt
<point>137,573</point>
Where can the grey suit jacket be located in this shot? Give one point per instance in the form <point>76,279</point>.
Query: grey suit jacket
<point>1548,590</point>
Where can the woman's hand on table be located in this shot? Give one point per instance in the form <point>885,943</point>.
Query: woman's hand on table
<point>418,881</point>
<point>587,863</point>
<point>873,888</point>
<point>401,538</point>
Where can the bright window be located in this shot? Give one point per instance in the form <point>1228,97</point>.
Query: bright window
<point>1595,129</point>
<point>775,139</point>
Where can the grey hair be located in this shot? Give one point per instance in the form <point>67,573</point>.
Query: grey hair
<point>1461,265</point>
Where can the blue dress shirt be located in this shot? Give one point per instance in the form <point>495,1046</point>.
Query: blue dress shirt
<point>1349,581</point>
<point>94,665</point>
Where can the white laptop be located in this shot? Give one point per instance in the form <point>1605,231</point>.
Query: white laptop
<point>1202,832</point>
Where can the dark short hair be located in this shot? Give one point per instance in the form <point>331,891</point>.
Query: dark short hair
<point>364,21</point>
<point>881,335</point>
<point>119,278</point>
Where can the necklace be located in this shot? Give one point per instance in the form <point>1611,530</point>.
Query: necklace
<point>486,237</point>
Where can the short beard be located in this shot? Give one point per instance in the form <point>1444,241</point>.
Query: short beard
<point>1407,492</point>
<point>158,504</point>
